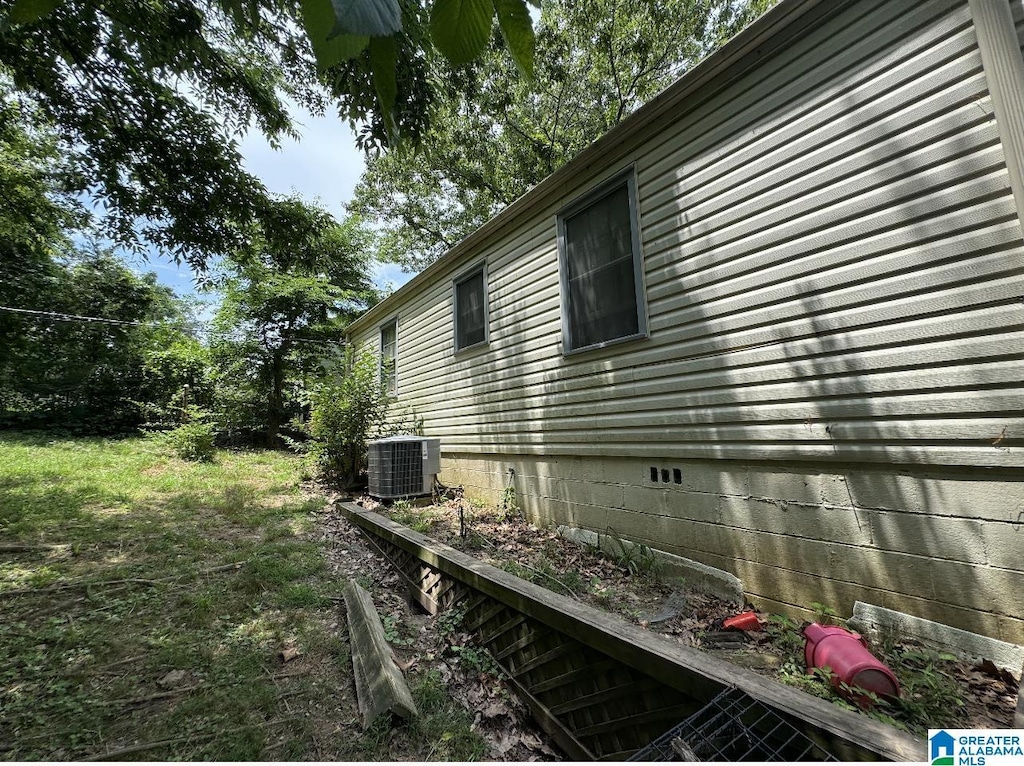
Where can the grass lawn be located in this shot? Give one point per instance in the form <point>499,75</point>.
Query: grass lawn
<point>145,600</point>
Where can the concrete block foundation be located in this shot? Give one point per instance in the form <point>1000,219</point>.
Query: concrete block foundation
<point>945,545</point>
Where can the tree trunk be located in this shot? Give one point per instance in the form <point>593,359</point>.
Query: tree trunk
<point>275,412</point>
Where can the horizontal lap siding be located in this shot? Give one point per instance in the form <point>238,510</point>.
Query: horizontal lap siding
<point>1017,7</point>
<point>833,267</point>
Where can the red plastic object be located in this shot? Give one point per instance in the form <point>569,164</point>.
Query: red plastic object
<point>743,621</point>
<point>847,655</point>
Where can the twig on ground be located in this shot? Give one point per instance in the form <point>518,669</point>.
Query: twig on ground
<point>31,548</point>
<point>125,661</point>
<point>292,674</point>
<point>121,581</point>
<point>79,584</point>
<point>221,568</point>
<point>159,695</point>
<point>116,755</point>
<point>555,580</point>
<point>183,689</point>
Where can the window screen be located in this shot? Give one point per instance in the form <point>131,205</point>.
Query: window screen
<point>389,355</point>
<point>600,270</point>
<point>470,310</point>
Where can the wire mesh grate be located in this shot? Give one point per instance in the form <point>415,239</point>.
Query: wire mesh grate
<point>733,727</point>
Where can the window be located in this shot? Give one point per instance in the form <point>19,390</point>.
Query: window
<point>471,309</point>
<point>599,256</point>
<point>389,355</point>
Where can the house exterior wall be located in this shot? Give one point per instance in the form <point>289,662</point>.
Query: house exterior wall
<point>1017,9</point>
<point>833,265</point>
<point>939,544</point>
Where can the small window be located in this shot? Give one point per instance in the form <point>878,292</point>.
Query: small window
<point>599,253</point>
<point>389,355</point>
<point>471,309</point>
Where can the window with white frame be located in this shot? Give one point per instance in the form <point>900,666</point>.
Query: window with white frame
<point>600,263</point>
<point>471,309</point>
<point>389,355</point>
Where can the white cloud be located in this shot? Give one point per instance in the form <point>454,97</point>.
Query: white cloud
<point>389,276</point>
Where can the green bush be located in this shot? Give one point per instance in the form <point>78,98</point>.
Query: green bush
<point>194,439</point>
<point>346,412</point>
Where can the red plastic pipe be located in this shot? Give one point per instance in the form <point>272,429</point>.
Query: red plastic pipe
<point>853,667</point>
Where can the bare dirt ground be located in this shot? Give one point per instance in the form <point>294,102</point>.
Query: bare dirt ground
<point>939,690</point>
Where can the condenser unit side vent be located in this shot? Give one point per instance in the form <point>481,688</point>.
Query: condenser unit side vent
<point>403,466</point>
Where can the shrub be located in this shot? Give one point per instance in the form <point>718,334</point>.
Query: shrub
<point>193,439</point>
<point>346,412</point>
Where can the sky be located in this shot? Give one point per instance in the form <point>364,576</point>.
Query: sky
<point>324,165</point>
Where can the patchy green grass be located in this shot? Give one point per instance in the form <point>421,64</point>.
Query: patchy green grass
<point>442,732</point>
<point>145,599</point>
<point>144,603</point>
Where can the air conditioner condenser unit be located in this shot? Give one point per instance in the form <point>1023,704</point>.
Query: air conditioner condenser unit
<point>403,466</point>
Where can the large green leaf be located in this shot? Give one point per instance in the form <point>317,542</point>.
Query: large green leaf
<point>366,18</point>
<point>27,11</point>
<point>384,64</point>
<point>318,19</point>
<point>461,28</point>
<point>517,29</point>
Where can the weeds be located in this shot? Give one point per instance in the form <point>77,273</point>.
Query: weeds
<point>396,632</point>
<point>448,622</point>
<point>931,697</point>
<point>826,615</point>
<point>546,575</point>
<point>786,634</point>
<point>194,439</point>
<point>444,728</point>
<point>635,558</point>
<point>509,504</point>
<point>417,519</point>
<point>84,666</point>
<point>477,659</point>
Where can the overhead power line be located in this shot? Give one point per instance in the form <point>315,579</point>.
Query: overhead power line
<point>62,317</point>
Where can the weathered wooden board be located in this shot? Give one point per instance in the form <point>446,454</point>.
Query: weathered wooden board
<point>603,688</point>
<point>380,686</point>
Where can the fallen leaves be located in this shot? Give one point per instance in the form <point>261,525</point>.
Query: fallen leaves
<point>692,618</point>
<point>499,717</point>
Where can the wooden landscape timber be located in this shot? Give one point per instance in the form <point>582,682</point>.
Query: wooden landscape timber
<point>380,686</point>
<point>600,687</point>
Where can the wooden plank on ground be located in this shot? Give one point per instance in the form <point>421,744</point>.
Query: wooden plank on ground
<point>380,686</point>
<point>688,670</point>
